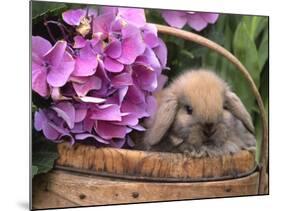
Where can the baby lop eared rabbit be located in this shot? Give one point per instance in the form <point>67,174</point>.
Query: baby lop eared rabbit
<point>199,115</point>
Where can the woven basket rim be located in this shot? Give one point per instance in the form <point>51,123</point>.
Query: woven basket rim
<point>153,166</point>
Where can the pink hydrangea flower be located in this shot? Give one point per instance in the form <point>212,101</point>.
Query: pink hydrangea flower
<point>196,20</point>
<point>116,66</point>
<point>51,65</point>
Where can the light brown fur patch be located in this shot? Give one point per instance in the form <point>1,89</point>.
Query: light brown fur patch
<point>204,92</point>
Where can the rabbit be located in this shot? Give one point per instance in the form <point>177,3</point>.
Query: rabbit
<point>199,115</point>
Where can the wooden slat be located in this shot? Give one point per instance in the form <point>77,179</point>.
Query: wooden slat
<point>155,165</point>
<point>43,197</point>
<point>65,189</point>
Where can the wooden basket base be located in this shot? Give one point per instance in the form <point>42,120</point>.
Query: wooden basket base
<point>68,189</point>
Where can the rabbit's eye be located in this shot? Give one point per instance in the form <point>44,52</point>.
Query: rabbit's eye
<point>188,109</point>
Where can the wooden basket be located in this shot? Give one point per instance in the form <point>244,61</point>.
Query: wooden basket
<point>85,175</point>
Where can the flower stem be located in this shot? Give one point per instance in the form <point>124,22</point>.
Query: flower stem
<point>50,32</point>
<point>61,27</point>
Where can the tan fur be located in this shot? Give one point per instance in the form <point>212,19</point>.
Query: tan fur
<point>207,95</point>
<point>203,90</point>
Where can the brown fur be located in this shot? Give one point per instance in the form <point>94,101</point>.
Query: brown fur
<point>207,95</point>
<point>202,89</point>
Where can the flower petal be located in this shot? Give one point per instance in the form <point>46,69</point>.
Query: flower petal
<point>37,60</point>
<point>56,94</point>
<point>152,59</point>
<point>133,16</point>
<point>161,52</point>
<point>151,39</point>
<point>129,30</point>
<point>150,35</point>
<point>91,12</point>
<point>85,67</point>
<point>162,80</point>
<point>102,73</point>
<point>79,42</point>
<point>69,138</point>
<point>135,94</point>
<point>131,48</point>
<point>39,120</point>
<point>66,111</point>
<point>88,135</point>
<point>87,99</point>
<point>175,18</point>
<point>78,79</point>
<point>39,81</point>
<point>58,76</point>
<point>93,83</point>
<point>40,45</point>
<point>122,93</point>
<point>118,143</point>
<point>49,132</point>
<point>145,77</point>
<point>129,119</point>
<point>112,65</point>
<point>137,109</point>
<point>73,17</point>
<point>113,49</point>
<point>101,24</point>
<point>88,124</point>
<point>107,9</point>
<point>80,114</point>
<point>151,28</point>
<point>129,130</point>
<point>56,53</point>
<point>121,80</point>
<point>210,17</point>
<point>196,21</point>
<point>108,130</point>
<point>130,142</point>
<point>108,113</point>
<point>138,127</point>
<point>60,129</point>
<point>78,127</point>
<point>86,62</point>
<point>117,26</point>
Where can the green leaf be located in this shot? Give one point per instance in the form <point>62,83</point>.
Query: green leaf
<point>44,161</point>
<point>40,8</point>
<point>254,25</point>
<point>187,53</point>
<point>264,84</point>
<point>34,170</point>
<point>245,50</point>
<point>228,34</point>
<point>224,36</point>
<point>44,154</point>
<point>263,49</point>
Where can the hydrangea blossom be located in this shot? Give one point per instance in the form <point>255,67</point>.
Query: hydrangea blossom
<point>196,20</point>
<point>101,80</point>
<point>51,66</point>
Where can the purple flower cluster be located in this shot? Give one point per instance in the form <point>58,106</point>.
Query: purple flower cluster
<point>101,79</point>
<point>196,20</point>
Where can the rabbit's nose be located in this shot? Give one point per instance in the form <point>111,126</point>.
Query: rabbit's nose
<point>209,125</point>
<point>209,129</point>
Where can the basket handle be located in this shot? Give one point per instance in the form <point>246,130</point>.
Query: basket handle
<point>230,57</point>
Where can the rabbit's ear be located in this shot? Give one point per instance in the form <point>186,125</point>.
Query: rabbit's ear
<point>163,119</point>
<point>236,107</point>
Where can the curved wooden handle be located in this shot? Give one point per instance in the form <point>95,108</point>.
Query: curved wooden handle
<point>230,57</point>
